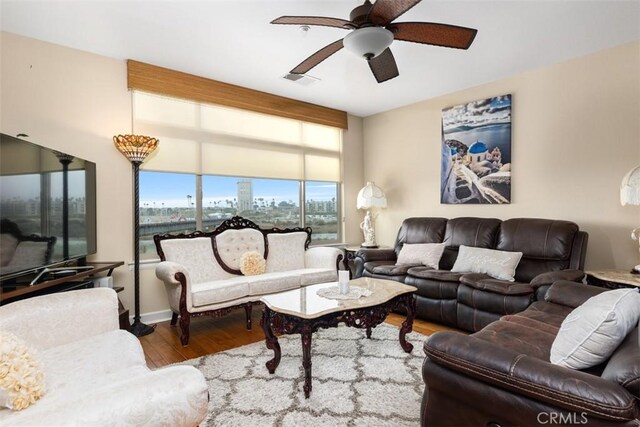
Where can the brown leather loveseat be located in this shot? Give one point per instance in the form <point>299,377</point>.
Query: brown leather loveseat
<point>501,376</point>
<point>552,250</point>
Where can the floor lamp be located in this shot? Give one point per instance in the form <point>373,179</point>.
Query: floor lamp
<point>136,148</point>
<point>630,195</point>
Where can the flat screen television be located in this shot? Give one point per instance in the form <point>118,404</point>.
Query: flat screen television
<point>47,208</point>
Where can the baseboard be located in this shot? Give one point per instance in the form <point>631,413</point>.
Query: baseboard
<point>154,317</point>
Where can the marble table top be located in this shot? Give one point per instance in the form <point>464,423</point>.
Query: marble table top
<point>307,304</point>
<point>617,276</point>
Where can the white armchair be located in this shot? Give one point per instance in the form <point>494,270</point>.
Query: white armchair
<point>96,374</point>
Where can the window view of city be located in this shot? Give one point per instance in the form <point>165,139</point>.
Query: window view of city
<point>168,205</point>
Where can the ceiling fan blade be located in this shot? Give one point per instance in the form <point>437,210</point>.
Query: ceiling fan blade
<point>384,66</point>
<point>385,11</point>
<point>313,20</point>
<point>435,34</point>
<point>317,57</point>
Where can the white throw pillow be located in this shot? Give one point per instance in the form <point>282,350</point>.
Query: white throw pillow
<point>286,251</point>
<point>428,254</point>
<point>497,264</point>
<point>591,332</point>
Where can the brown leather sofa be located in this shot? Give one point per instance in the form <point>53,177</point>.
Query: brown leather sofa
<point>501,376</point>
<point>552,250</point>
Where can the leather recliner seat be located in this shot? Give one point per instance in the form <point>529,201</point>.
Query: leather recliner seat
<point>502,376</point>
<point>552,250</point>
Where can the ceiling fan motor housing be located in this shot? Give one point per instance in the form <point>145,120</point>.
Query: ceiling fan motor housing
<point>359,15</point>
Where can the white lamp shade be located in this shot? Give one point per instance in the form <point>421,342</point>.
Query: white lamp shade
<point>630,188</point>
<point>371,196</point>
<point>368,42</point>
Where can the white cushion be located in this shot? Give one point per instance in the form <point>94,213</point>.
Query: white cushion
<point>218,291</point>
<point>91,360</point>
<point>497,264</point>
<point>428,254</point>
<point>231,244</point>
<point>269,283</point>
<point>286,251</point>
<point>313,276</point>
<point>196,256</point>
<point>591,332</point>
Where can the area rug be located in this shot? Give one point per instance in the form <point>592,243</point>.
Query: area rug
<point>356,381</point>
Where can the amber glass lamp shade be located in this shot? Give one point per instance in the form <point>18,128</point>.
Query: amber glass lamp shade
<point>136,148</point>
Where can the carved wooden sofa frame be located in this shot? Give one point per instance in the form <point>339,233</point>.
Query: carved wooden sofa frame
<point>235,223</point>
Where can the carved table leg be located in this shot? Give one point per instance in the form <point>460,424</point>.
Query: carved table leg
<point>306,361</point>
<point>407,325</point>
<point>247,311</point>
<point>369,332</point>
<point>272,340</point>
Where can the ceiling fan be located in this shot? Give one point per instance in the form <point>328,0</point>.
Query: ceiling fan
<point>373,32</point>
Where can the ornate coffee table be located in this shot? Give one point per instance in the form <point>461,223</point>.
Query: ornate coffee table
<point>302,311</point>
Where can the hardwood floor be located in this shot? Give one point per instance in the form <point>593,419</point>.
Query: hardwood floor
<point>210,335</point>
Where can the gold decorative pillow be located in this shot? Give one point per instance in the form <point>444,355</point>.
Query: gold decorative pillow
<point>252,263</point>
<point>21,377</point>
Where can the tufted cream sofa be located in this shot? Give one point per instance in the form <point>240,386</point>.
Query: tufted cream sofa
<point>95,374</point>
<point>202,276</point>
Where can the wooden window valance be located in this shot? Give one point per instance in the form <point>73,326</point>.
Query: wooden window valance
<point>163,81</point>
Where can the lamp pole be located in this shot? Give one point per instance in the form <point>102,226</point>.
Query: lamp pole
<point>136,148</point>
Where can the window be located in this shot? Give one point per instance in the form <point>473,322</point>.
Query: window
<point>167,205</point>
<point>275,171</point>
<point>321,211</point>
<point>267,202</point>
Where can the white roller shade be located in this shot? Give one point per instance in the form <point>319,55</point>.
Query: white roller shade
<point>321,137</point>
<point>247,124</point>
<point>321,168</point>
<point>250,161</point>
<point>174,155</point>
<point>210,139</point>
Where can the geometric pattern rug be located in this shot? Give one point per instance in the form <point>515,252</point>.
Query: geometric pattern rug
<point>356,381</point>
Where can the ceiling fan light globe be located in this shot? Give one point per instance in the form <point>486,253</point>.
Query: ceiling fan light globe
<point>368,42</point>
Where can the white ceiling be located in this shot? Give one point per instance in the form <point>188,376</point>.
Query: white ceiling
<point>232,41</point>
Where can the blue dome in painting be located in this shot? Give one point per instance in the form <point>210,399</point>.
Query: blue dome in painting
<point>477,147</point>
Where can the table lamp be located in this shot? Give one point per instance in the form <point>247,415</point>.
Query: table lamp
<point>370,197</point>
<point>630,195</point>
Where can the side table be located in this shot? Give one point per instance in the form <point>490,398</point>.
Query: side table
<point>613,279</point>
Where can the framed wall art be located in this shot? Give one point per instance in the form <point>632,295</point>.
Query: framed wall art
<point>476,152</point>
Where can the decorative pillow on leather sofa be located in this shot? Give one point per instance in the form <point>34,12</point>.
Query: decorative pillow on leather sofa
<point>497,264</point>
<point>428,254</point>
<point>592,331</point>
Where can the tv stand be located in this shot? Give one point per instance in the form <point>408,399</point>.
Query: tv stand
<point>60,272</point>
<point>79,277</point>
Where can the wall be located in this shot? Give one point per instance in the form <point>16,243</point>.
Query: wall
<point>352,174</point>
<point>575,133</point>
<point>75,102</point>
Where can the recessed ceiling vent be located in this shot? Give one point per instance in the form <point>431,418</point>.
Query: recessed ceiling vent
<point>301,79</point>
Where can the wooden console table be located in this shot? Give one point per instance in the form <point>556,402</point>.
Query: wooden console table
<point>81,279</point>
<point>613,279</point>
